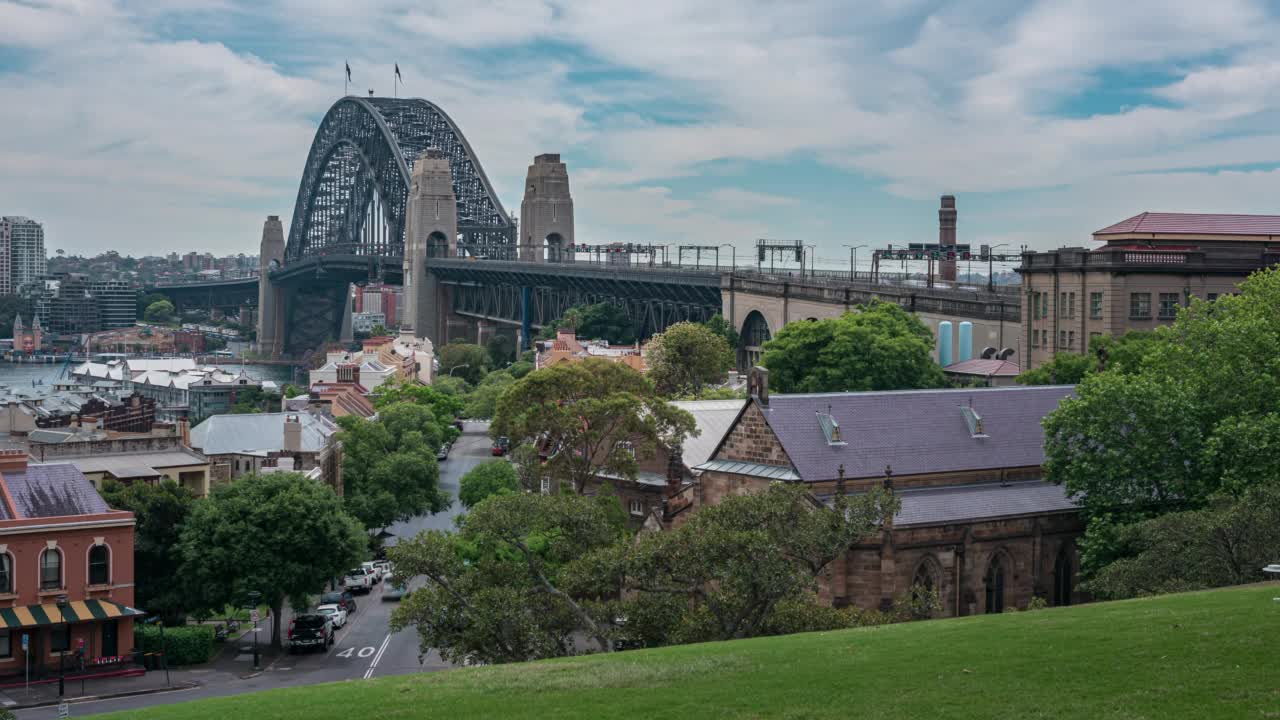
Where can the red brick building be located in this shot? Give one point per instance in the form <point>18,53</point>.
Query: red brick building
<point>59,541</point>
<point>977,522</point>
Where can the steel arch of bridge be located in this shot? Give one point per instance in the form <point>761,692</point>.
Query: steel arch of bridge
<point>359,163</point>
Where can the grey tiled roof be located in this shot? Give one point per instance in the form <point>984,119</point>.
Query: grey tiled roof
<point>53,491</point>
<point>914,431</point>
<point>939,506</point>
<point>226,434</point>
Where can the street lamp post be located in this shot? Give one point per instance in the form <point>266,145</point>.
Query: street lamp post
<point>733,249</point>
<point>991,253</point>
<point>455,367</point>
<point>853,261</point>
<point>253,603</point>
<point>62,665</point>
<point>812,259</point>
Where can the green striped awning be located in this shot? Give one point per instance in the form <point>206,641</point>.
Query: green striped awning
<point>25,616</point>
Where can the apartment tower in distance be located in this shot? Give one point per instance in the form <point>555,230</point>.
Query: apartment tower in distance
<point>22,258</point>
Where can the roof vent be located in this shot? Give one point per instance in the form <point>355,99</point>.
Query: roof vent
<point>988,352</point>
<point>974,421</point>
<point>830,428</point>
<point>1005,354</point>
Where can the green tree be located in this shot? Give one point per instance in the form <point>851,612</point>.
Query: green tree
<point>501,349</point>
<point>599,321</point>
<point>445,406</point>
<point>1123,353</point>
<point>145,301</point>
<point>879,347</point>
<point>483,399</point>
<point>520,368</point>
<point>255,400</point>
<point>590,417</point>
<point>455,387</point>
<point>720,326</point>
<point>492,594</point>
<point>281,535</point>
<point>1066,368</point>
<point>389,469</point>
<point>160,311</point>
<point>496,477</point>
<point>379,330</point>
<point>465,360</point>
<point>687,357</point>
<point>159,513</point>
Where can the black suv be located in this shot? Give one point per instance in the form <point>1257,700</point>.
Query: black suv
<point>311,631</point>
<point>343,599</point>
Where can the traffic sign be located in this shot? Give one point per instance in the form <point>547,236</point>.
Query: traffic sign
<point>64,710</point>
<point>253,615</point>
<point>26,642</point>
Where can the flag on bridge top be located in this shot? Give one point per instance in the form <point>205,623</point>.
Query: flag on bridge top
<point>348,70</point>
<point>398,73</point>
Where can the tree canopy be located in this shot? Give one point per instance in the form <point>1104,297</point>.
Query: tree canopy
<point>1066,368</point>
<point>484,397</point>
<point>159,511</point>
<point>687,357</point>
<point>280,535</point>
<point>465,360</point>
<point>720,326</point>
<point>389,469</point>
<point>878,347</point>
<point>589,417</point>
<point>495,477</point>
<point>160,311</point>
<point>599,321</point>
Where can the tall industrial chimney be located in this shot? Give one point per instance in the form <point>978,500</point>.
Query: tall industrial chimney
<point>947,237</point>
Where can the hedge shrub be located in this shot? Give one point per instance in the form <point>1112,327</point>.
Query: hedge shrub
<point>189,645</point>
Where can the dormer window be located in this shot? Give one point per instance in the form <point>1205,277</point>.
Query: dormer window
<point>974,421</point>
<point>830,428</point>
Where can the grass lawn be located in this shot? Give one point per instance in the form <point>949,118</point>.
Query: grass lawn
<point>1210,654</point>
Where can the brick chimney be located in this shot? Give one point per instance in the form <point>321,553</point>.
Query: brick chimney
<point>183,428</point>
<point>947,236</point>
<point>292,434</point>
<point>13,461</point>
<point>758,385</point>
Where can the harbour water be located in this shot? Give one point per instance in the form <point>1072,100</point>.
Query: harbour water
<point>13,374</point>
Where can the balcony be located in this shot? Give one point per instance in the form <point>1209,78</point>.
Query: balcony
<point>1140,260</point>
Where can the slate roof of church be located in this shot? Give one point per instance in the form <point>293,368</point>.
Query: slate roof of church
<point>54,490</point>
<point>913,431</point>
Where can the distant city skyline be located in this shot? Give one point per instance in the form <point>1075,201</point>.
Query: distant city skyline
<point>144,129</point>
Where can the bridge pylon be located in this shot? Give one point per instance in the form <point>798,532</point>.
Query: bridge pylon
<point>431,230</point>
<point>271,299</point>
<point>546,213</point>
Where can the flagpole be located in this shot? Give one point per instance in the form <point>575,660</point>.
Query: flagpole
<point>346,78</point>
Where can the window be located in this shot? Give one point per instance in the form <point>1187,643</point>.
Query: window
<point>994,582</point>
<point>6,573</point>
<point>1035,338</point>
<point>60,638</point>
<point>1095,305</point>
<point>1062,304</point>
<point>1168,305</point>
<point>1071,305</point>
<point>51,569</point>
<point>99,565</point>
<point>6,644</point>
<point>1140,305</point>
<point>1062,339</point>
<point>1062,577</point>
<point>1071,339</point>
<point>1213,296</point>
<point>636,506</point>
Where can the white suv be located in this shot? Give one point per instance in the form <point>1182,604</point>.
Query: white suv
<point>358,580</point>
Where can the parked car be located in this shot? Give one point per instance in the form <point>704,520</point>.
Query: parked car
<point>374,568</point>
<point>358,580</point>
<point>443,453</point>
<point>501,446</point>
<point>310,631</point>
<point>385,567</point>
<point>336,614</point>
<point>396,592</point>
<point>342,598</point>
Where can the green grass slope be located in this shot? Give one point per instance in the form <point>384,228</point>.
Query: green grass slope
<point>1197,655</point>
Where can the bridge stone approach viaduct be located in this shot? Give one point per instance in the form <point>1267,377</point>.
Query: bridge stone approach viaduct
<point>392,191</point>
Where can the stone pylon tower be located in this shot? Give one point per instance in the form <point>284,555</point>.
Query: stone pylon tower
<point>271,323</point>
<point>546,213</point>
<point>430,230</point>
<point>947,237</point>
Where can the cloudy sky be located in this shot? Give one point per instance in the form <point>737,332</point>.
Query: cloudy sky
<point>145,129</point>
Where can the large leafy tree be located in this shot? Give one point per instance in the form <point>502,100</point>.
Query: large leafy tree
<point>444,403</point>
<point>389,469</point>
<point>879,346</point>
<point>465,360</point>
<point>484,398</point>
<point>589,418</point>
<point>160,311</point>
<point>599,321</point>
<point>720,326</point>
<point>1065,368</point>
<point>687,357</point>
<point>159,513</point>
<point>280,535</point>
<point>492,589</point>
<point>496,477</point>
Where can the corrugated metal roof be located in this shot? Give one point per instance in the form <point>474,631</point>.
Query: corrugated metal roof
<point>1195,224</point>
<point>914,431</point>
<point>984,367</point>
<point>772,472</point>
<point>713,419</point>
<point>128,462</point>
<point>226,434</point>
<point>54,490</point>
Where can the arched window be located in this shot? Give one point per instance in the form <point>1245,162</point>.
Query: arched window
<point>926,582</point>
<point>1062,572</point>
<point>6,573</point>
<point>994,582</point>
<point>99,565</point>
<point>755,333</point>
<point>51,569</point>
<point>926,576</point>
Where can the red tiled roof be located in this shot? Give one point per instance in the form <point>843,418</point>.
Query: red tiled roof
<point>1195,224</point>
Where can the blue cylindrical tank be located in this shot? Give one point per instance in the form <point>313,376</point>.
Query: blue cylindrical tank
<point>944,343</point>
<point>965,352</point>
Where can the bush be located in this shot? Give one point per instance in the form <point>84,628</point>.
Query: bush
<point>189,645</point>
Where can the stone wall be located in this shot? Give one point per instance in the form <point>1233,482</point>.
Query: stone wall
<point>752,440</point>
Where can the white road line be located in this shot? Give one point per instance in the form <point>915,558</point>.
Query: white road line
<point>369,673</point>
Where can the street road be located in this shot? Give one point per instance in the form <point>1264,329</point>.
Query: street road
<point>365,648</point>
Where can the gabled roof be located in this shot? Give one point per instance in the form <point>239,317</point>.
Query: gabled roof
<point>229,434</point>
<point>913,431</point>
<point>55,490</point>
<point>713,419</point>
<point>1194,224</point>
